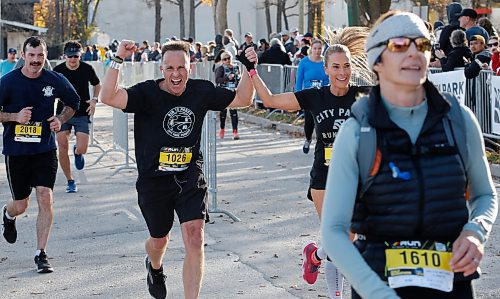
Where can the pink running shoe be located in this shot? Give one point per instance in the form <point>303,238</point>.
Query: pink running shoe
<point>310,269</point>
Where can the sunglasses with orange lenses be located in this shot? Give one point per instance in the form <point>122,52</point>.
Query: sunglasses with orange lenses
<point>401,44</point>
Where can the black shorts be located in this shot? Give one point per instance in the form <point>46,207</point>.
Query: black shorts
<point>158,197</point>
<point>318,180</point>
<point>28,171</point>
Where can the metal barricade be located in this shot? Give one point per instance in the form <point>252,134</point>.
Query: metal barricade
<point>100,71</point>
<point>289,75</point>
<point>120,140</point>
<point>209,149</point>
<point>481,86</point>
<point>130,74</point>
<point>273,75</point>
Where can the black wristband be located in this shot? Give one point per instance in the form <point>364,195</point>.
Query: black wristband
<point>117,59</point>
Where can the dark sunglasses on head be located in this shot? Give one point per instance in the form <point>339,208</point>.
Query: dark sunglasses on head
<point>74,56</point>
<point>401,44</point>
<point>493,44</point>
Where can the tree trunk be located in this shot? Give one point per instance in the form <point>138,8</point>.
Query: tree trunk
<point>58,20</point>
<point>220,15</point>
<point>182,18</point>
<point>269,25</point>
<point>280,8</point>
<point>310,15</point>
<point>192,27</point>
<point>158,19</point>
<point>374,9</point>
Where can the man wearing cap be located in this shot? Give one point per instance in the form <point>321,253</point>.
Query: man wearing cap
<point>482,57</point>
<point>79,74</point>
<point>293,33</point>
<point>248,42</point>
<point>408,118</point>
<point>468,21</point>
<point>288,42</point>
<point>8,64</point>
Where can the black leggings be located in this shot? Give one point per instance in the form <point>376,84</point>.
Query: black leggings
<point>234,118</point>
<point>461,290</point>
<point>308,124</point>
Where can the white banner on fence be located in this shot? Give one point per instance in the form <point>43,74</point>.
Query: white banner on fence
<point>451,82</point>
<point>495,105</point>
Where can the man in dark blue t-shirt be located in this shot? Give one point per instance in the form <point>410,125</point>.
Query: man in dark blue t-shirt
<point>27,97</point>
<point>168,120</point>
<point>79,74</point>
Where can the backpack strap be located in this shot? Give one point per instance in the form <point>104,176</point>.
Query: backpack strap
<point>454,126</point>
<point>367,152</point>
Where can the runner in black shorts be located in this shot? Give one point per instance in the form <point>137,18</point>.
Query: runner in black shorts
<point>27,98</point>
<point>330,106</point>
<point>168,119</point>
<point>80,74</point>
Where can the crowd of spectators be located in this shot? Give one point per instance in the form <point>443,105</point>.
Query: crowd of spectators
<point>467,41</point>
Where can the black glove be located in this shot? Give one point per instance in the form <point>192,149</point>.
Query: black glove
<point>244,60</point>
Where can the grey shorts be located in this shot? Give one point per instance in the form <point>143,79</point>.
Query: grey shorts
<point>79,123</point>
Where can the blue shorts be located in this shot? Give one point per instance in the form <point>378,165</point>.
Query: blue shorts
<point>80,123</point>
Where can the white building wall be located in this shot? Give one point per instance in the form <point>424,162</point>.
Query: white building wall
<point>135,20</point>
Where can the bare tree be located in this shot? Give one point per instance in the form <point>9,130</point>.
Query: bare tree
<point>219,12</point>
<point>182,17</point>
<point>370,10</point>
<point>267,7</point>
<point>158,18</point>
<point>192,16</point>
<point>84,14</point>
<point>287,15</point>
<point>315,16</point>
<point>282,14</point>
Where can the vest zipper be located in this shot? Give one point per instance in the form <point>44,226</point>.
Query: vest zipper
<point>421,191</point>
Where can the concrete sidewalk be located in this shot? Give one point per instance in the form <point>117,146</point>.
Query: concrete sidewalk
<point>97,241</point>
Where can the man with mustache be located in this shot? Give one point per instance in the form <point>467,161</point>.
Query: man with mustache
<point>27,98</point>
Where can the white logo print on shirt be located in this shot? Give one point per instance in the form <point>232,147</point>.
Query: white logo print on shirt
<point>179,122</point>
<point>48,91</point>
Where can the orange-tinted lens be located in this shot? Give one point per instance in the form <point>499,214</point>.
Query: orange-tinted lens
<point>398,44</point>
<point>401,44</point>
<point>423,44</point>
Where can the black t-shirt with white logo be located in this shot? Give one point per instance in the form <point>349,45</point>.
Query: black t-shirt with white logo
<point>329,113</point>
<point>80,79</point>
<point>163,120</point>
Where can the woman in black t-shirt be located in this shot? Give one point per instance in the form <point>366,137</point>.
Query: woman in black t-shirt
<point>330,106</point>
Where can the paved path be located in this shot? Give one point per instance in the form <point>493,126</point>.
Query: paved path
<point>97,241</point>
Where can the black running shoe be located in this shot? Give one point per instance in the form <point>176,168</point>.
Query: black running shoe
<point>42,263</point>
<point>9,228</point>
<point>156,281</point>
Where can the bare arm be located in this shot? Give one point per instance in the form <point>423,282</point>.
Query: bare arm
<point>66,113</point>
<point>21,117</point>
<point>57,120</point>
<point>110,94</point>
<point>285,101</point>
<point>92,102</point>
<point>97,90</point>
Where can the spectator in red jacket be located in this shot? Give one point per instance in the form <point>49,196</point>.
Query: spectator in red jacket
<point>495,58</point>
